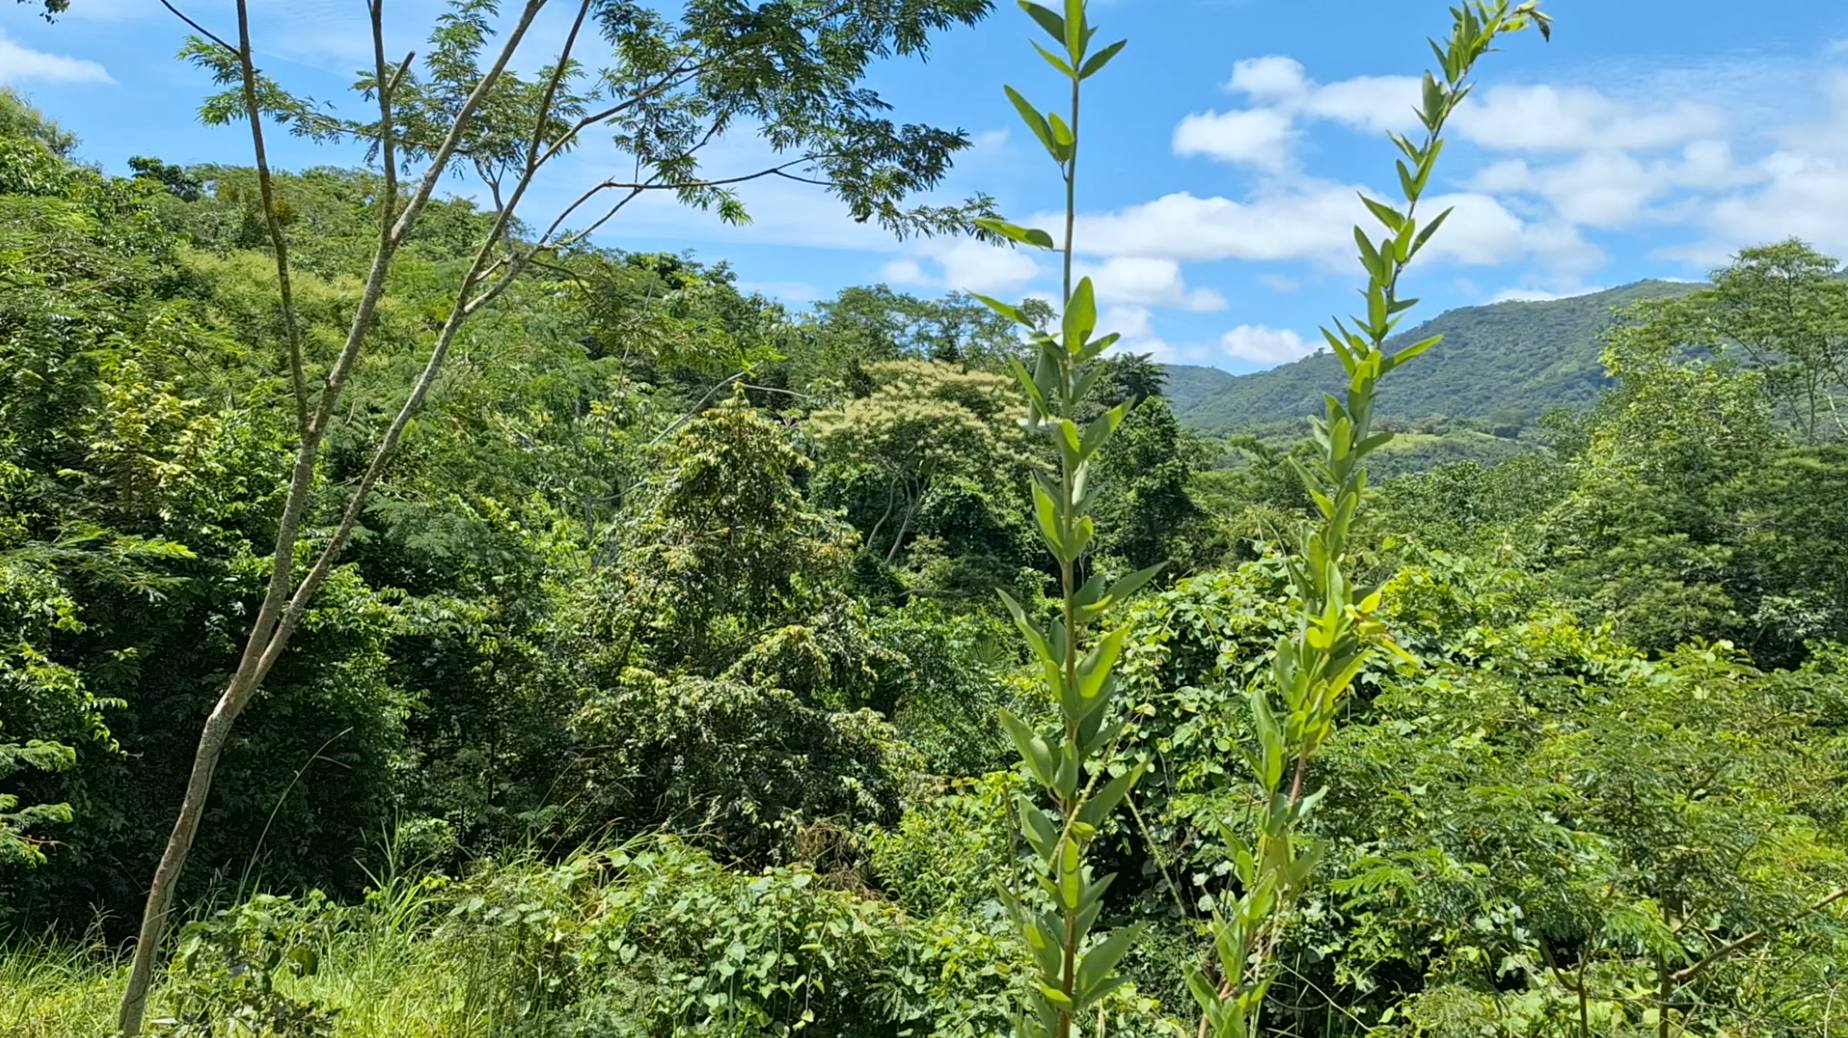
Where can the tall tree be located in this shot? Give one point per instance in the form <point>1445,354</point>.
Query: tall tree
<point>1782,309</point>
<point>668,87</point>
<point>924,422</point>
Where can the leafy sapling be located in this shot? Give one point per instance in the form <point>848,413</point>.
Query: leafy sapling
<point>1337,631</point>
<point>1077,966</point>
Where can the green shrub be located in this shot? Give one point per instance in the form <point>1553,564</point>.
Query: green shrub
<point>743,769</point>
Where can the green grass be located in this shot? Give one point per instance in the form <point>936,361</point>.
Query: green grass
<point>654,937</point>
<point>379,971</point>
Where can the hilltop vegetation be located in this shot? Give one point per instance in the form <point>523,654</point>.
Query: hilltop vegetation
<point>680,664</point>
<point>1505,364</point>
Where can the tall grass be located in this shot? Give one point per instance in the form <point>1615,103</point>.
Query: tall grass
<point>650,938</point>
<point>381,968</point>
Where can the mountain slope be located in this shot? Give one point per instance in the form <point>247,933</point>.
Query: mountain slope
<point>1506,362</point>
<point>1191,384</point>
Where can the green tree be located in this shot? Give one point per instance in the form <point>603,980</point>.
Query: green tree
<point>923,423</point>
<point>1144,501</point>
<point>672,86</point>
<point>20,120</point>
<point>1645,533</point>
<point>1785,307</point>
<point>727,547</point>
<point>18,847</point>
<point>829,350</point>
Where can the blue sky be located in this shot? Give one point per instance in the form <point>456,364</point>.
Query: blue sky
<point>1223,150</point>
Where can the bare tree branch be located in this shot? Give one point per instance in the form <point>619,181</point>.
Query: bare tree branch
<point>200,29</point>
<point>291,327</point>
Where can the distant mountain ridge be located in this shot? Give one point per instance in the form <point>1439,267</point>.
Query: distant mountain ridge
<point>1504,362</point>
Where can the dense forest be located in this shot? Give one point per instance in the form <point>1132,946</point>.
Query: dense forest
<point>648,657</point>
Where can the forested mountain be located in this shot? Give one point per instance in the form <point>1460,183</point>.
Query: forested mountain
<point>1506,363</point>
<point>1190,385</point>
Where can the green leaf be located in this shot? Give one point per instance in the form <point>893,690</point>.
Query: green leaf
<point>1430,229</point>
<point>1099,431</point>
<point>1099,963</point>
<point>1071,875</point>
<point>1094,669</point>
<point>1054,60</point>
<point>1047,511</point>
<point>1061,134</point>
<point>1048,20</point>
<point>1034,120</point>
<point>1012,313</point>
<point>1105,800</point>
<point>1033,749</point>
<point>1392,218</point>
<point>1415,349</point>
<point>1133,583</point>
<point>1036,638</point>
<point>1015,232</point>
<point>1080,315</point>
<point>1097,61</point>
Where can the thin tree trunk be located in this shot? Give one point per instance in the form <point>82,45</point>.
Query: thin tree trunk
<point>274,624</point>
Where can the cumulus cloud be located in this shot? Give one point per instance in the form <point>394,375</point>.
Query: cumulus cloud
<point>1313,221</point>
<point>1263,345</point>
<point>964,265</point>
<point>1149,281</point>
<point>1260,137</point>
<point>1606,188</point>
<point>1543,117</point>
<point>1282,93</point>
<point>1802,195</point>
<point>1136,325</point>
<point>20,64</point>
<point>1272,77</point>
<point>788,291</point>
<point>904,272</point>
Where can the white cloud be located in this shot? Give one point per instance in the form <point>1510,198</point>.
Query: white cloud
<point>1314,221</point>
<point>1269,78</point>
<point>1803,195</point>
<point>1148,281</point>
<point>1283,226</point>
<point>1605,188</point>
<point>1376,103</point>
<point>1506,176</point>
<point>1544,117</point>
<point>1136,325</point>
<point>988,142</point>
<point>1264,345</point>
<point>1538,118</point>
<point>1261,137</point>
<point>19,64</point>
<point>1265,135</point>
<point>1601,189</point>
<point>904,272</point>
<point>965,265</point>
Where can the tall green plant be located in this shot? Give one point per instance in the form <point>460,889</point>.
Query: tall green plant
<point>1337,632</point>
<point>1075,971</point>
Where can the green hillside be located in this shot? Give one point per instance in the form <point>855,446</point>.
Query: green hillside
<point>1506,362</point>
<point>1190,385</point>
